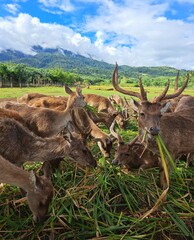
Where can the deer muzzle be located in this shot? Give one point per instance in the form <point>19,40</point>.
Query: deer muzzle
<point>154,131</point>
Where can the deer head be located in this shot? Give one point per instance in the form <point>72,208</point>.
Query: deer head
<point>79,152</point>
<point>149,112</point>
<point>41,193</point>
<point>124,154</point>
<point>76,99</point>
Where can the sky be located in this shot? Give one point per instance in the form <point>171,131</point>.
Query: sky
<point>129,32</point>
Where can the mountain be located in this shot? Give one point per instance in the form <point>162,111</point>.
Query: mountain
<point>76,63</point>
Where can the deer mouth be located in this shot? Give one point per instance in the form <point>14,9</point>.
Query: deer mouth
<point>154,131</point>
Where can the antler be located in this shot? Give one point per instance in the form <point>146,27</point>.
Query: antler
<point>176,82</point>
<point>162,95</point>
<point>176,94</point>
<point>115,134</point>
<point>142,96</point>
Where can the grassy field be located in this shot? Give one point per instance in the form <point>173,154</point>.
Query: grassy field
<point>102,203</point>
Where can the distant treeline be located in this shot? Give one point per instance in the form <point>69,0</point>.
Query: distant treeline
<point>20,75</point>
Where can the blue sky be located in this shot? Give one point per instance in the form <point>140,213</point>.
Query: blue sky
<point>131,32</point>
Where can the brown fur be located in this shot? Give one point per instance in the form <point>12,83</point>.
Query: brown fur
<point>39,189</point>
<point>11,114</point>
<point>134,156</point>
<point>49,102</point>
<point>87,127</point>
<point>103,104</point>
<point>176,129</point>
<point>29,96</point>
<point>19,145</point>
<point>184,103</point>
<point>43,121</point>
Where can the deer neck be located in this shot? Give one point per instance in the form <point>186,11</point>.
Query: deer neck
<point>11,174</point>
<point>52,148</point>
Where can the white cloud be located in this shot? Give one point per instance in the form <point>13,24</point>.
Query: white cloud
<point>63,5</point>
<point>135,33</point>
<point>154,39</point>
<point>22,32</point>
<point>12,8</point>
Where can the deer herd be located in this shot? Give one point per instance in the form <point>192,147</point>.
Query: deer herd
<point>42,128</point>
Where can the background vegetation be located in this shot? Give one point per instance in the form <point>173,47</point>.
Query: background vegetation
<point>59,66</point>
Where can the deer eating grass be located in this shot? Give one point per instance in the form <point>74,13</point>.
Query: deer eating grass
<point>19,144</point>
<point>39,189</point>
<point>132,155</point>
<point>103,104</point>
<point>176,129</point>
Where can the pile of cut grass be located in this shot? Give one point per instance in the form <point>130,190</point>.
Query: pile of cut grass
<point>104,203</point>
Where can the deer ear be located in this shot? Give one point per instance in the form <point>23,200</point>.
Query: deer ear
<point>34,180</point>
<point>46,168</point>
<point>79,90</point>
<point>68,90</point>
<point>134,104</point>
<point>165,107</point>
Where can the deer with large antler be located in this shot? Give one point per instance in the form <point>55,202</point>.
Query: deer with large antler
<point>174,128</point>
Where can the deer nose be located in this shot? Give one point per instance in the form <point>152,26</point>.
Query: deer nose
<point>154,131</point>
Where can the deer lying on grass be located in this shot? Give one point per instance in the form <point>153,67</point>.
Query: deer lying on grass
<point>176,130</point>
<point>43,121</point>
<point>19,144</point>
<point>42,100</point>
<point>26,98</point>
<point>51,102</point>
<point>103,104</point>
<point>39,189</point>
<point>133,155</point>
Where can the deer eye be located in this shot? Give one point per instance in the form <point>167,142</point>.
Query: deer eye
<point>142,114</point>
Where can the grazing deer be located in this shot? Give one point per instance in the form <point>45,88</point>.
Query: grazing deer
<point>43,121</point>
<point>118,101</point>
<point>86,127</point>
<point>103,104</point>
<point>176,130</point>
<point>39,189</point>
<point>133,155</point>
<point>19,144</point>
<point>102,117</point>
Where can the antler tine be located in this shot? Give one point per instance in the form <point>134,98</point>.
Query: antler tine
<point>143,92</point>
<point>176,82</point>
<point>126,102</point>
<point>163,94</point>
<point>119,89</point>
<point>177,93</point>
<point>115,134</point>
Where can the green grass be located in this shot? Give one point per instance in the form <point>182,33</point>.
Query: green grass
<point>102,203</point>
